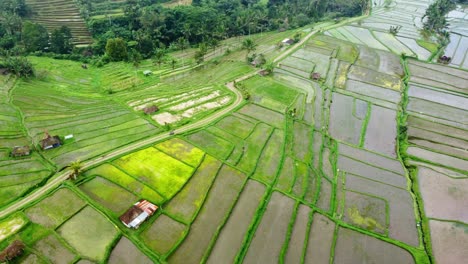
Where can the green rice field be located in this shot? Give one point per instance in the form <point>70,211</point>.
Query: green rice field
<point>353,150</point>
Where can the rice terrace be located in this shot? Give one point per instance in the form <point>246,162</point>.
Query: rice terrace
<point>234,131</point>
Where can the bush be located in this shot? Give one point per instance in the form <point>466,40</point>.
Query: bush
<point>20,66</point>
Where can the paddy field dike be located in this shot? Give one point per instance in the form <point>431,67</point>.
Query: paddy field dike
<point>353,150</point>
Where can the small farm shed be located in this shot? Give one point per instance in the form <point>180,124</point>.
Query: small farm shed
<point>263,72</point>
<point>315,76</point>
<point>147,73</point>
<point>287,41</point>
<point>20,151</point>
<point>50,142</point>
<point>14,250</point>
<point>138,214</point>
<point>150,109</point>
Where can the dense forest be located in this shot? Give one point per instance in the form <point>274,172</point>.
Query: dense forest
<point>146,25</point>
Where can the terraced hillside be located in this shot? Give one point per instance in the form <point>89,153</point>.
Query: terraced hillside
<point>53,14</point>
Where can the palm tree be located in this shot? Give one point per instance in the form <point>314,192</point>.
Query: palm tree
<point>76,167</point>
<point>249,45</point>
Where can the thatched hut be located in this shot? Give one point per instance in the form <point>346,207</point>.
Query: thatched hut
<point>50,142</point>
<point>315,76</point>
<point>20,151</point>
<point>14,250</point>
<point>150,109</point>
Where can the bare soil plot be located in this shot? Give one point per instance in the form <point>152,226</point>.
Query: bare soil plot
<point>286,176</point>
<point>325,195</point>
<point>188,201</point>
<point>230,240</point>
<point>371,90</point>
<point>182,151</point>
<point>438,158</point>
<point>320,240</point>
<point>53,210</point>
<point>438,96</point>
<point>302,137</point>
<point>265,115</point>
<point>438,76</point>
<point>381,136</point>
<point>390,63</point>
<point>126,252</point>
<point>347,118</point>
<point>81,233</point>
<point>439,137</point>
<point>271,233</point>
<point>34,259</point>
<point>270,160</point>
<point>449,241</point>
<point>402,224</point>
<point>421,123</point>
<point>235,125</point>
<point>366,212</point>
<point>164,234</point>
<point>297,241</point>
<point>221,199</point>
<point>444,197</point>
<point>376,78</point>
<point>371,158</point>
<point>110,195</point>
<point>354,247</point>
<point>51,248</point>
<point>212,144</point>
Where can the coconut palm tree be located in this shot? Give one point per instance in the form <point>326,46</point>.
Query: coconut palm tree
<point>76,167</point>
<point>249,45</point>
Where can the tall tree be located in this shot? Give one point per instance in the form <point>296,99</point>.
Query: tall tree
<point>116,49</point>
<point>61,40</point>
<point>35,37</point>
<point>249,45</point>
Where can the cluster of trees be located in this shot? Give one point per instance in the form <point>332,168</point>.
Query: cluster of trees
<point>16,32</point>
<point>148,26</point>
<point>435,16</point>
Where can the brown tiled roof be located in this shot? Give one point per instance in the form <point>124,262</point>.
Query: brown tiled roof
<point>130,214</point>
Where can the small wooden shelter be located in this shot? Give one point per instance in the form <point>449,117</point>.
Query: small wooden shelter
<point>50,142</point>
<point>20,151</point>
<point>14,250</point>
<point>287,41</point>
<point>315,76</point>
<point>150,109</point>
<point>138,213</point>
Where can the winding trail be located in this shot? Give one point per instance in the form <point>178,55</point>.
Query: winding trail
<point>63,176</point>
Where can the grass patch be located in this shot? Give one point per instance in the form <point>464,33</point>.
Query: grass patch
<point>430,46</point>
<point>11,225</point>
<point>156,169</point>
<point>53,210</point>
<point>109,194</point>
<point>89,233</point>
<point>119,177</point>
<point>182,151</point>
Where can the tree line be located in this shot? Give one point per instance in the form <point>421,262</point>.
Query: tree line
<point>148,29</point>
